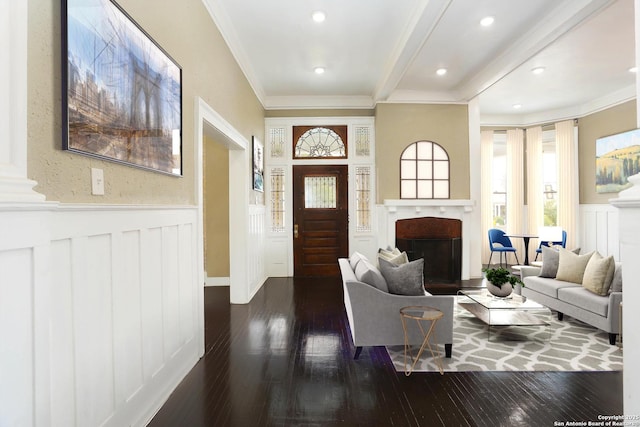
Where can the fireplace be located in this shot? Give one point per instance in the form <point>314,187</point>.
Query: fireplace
<point>438,241</point>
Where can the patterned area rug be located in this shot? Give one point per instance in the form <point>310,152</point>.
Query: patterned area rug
<point>567,345</point>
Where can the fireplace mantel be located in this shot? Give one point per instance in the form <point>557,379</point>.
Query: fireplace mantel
<point>442,204</point>
<point>392,210</point>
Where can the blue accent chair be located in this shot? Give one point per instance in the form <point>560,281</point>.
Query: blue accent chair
<point>500,243</point>
<point>562,243</point>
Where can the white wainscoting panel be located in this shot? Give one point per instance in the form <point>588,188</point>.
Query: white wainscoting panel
<point>256,249</point>
<point>599,230</point>
<point>99,309</point>
<point>277,257</point>
<point>16,337</point>
<point>365,244</point>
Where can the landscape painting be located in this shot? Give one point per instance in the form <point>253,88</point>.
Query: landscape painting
<point>122,94</point>
<point>617,158</point>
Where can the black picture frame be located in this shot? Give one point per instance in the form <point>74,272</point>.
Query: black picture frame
<point>258,164</point>
<point>121,92</point>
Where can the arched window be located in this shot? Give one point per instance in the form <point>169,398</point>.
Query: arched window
<point>424,171</point>
<point>320,142</point>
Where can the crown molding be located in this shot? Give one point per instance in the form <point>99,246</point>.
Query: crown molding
<point>227,30</point>
<point>560,114</point>
<point>319,102</point>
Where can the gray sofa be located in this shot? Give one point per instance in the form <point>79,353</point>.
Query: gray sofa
<point>572,299</point>
<point>374,315</point>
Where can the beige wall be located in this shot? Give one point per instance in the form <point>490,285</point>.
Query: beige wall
<point>186,31</point>
<point>608,122</point>
<point>398,125</point>
<point>216,208</point>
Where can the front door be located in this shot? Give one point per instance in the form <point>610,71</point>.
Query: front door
<point>320,218</point>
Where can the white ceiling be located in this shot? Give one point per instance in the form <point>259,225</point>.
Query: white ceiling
<point>388,51</point>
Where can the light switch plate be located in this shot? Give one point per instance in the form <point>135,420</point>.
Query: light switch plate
<point>97,182</point>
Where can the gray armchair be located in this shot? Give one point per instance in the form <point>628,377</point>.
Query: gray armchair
<point>374,315</point>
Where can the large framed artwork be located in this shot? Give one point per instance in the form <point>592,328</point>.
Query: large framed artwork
<point>258,165</point>
<point>122,93</point>
<point>617,158</point>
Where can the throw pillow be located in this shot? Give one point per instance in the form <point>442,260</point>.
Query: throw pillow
<point>550,260</point>
<point>355,258</point>
<point>389,252</point>
<point>598,274</point>
<point>398,259</point>
<point>616,282</point>
<point>404,279</point>
<point>571,266</point>
<point>369,274</point>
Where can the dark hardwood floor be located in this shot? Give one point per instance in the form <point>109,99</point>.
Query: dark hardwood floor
<point>285,359</point>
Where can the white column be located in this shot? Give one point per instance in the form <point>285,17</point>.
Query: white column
<point>473,225</point>
<point>14,185</point>
<point>628,204</point>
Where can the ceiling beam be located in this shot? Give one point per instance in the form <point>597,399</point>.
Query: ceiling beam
<point>559,21</point>
<point>425,19</point>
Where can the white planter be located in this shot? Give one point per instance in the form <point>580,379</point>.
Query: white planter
<point>500,291</point>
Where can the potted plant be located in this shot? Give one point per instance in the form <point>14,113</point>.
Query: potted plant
<point>500,281</point>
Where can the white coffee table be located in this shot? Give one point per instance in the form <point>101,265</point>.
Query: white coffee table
<point>513,310</point>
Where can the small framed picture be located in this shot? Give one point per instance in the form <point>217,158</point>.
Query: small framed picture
<point>258,165</point>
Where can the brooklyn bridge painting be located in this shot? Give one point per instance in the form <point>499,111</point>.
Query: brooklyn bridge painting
<point>123,92</point>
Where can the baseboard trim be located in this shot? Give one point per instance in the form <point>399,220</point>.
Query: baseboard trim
<point>217,281</point>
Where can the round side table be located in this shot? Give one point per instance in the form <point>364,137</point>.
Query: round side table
<point>422,315</point>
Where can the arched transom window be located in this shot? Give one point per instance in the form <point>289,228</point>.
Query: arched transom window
<point>320,142</point>
<point>424,171</point>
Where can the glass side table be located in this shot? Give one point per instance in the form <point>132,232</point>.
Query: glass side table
<point>423,316</point>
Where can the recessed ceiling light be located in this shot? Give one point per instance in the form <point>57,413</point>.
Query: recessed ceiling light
<point>441,71</point>
<point>487,21</point>
<point>538,70</point>
<point>517,106</point>
<point>633,69</point>
<point>319,16</point>
<point>318,70</point>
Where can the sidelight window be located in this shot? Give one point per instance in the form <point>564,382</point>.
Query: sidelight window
<point>277,200</point>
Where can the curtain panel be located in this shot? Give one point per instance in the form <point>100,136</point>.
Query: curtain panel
<point>535,181</point>
<point>486,167</point>
<point>515,187</point>
<point>568,196</point>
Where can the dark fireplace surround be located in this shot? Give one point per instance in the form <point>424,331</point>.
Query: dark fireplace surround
<point>438,241</point>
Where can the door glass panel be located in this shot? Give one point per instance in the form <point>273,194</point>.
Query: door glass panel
<point>320,192</point>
